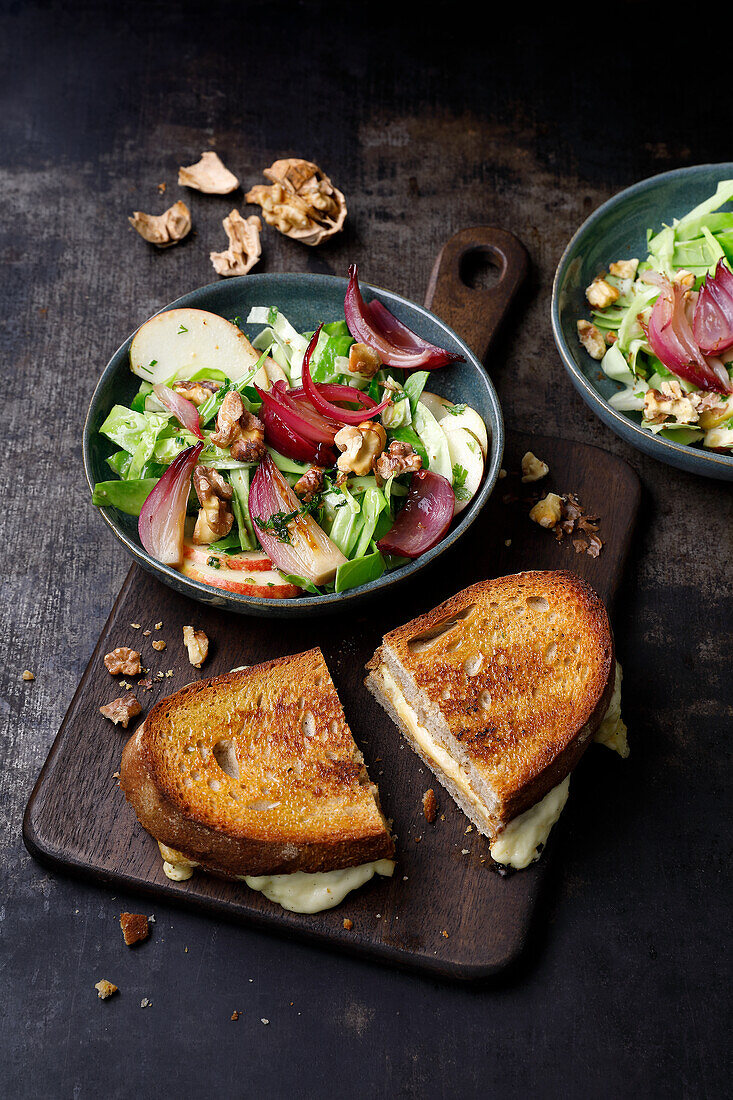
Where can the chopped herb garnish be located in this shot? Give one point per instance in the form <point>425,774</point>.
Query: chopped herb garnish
<point>279,522</point>
<point>459,483</point>
<point>214,562</point>
<point>456,410</point>
<point>153,362</point>
<point>272,315</point>
<point>237,321</point>
<point>181,330</point>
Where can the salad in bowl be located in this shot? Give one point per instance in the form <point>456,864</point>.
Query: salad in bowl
<point>297,463</point>
<point>662,327</point>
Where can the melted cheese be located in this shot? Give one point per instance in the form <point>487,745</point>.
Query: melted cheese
<point>301,892</point>
<point>612,730</point>
<point>519,844</point>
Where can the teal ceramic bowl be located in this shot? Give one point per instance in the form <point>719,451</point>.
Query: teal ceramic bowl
<point>615,231</point>
<point>305,300</point>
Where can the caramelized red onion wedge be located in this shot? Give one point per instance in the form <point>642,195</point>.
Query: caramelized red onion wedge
<point>184,410</point>
<point>671,339</point>
<point>289,443</point>
<point>310,552</point>
<point>424,519</point>
<point>306,422</point>
<point>712,324</point>
<point>336,392</point>
<point>323,405</point>
<point>163,514</point>
<point>395,343</point>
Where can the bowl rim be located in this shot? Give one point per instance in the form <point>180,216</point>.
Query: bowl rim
<point>593,398</point>
<point>332,601</point>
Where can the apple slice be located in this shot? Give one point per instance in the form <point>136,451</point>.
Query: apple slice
<point>266,584</point>
<point>183,341</point>
<point>463,417</point>
<point>249,561</point>
<point>467,462</point>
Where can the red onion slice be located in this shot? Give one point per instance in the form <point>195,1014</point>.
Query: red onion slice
<point>712,325</point>
<point>671,339</point>
<point>316,398</point>
<point>289,443</point>
<point>296,418</point>
<point>163,514</point>
<point>334,391</point>
<point>184,410</point>
<point>424,519</point>
<point>310,552</point>
<point>395,343</point>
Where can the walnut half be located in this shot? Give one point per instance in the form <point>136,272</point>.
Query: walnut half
<point>399,458</point>
<point>122,661</point>
<point>302,202</point>
<point>164,229</point>
<point>244,249</point>
<point>360,446</point>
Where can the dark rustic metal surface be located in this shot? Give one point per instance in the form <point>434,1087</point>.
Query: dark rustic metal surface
<point>438,125</point>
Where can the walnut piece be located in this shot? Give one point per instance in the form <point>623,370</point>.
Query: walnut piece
<point>121,710</point>
<point>348,924</point>
<point>244,249</point>
<point>28,675</point>
<point>158,644</point>
<point>164,229</point>
<point>683,278</point>
<point>105,989</point>
<point>208,175</point>
<point>360,446</point>
<point>601,294</point>
<point>122,661</point>
<point>548,511</point>
<point>399,458</point>
<point>134,927</point>
<point>533,468</point>
<point>215,517</point>
<point>624,269</point>
<point>592,339</point>
<point>239,430</point>
<point>363,360</point>
<point>302,202</point>
<point>197,645</point>
<point>310,484</point>
<point>196,392</point>
<point>670,400</point>
<point>430,805</point>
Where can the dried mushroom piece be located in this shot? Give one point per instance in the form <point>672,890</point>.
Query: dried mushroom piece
<point>208,175</point>
<point>164,229</point>
<point>302,202</point>
<point>244,249</point>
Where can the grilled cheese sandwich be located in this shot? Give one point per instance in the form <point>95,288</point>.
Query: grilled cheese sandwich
<point>499,691</point>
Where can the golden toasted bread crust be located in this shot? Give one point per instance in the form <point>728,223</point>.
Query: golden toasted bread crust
<point>516,672</point>
<point>256,773</point>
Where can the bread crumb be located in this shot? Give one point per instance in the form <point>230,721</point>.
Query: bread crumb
<point>430,805</point>
<point>105,989</point>
<point>464,851</point>
<point>134,927</point>
<point>263,1020</point>
<point>159,626</point>
<point>161,188</point>
<point>28,675</point>
<point>147,633</point>
<point>418,839</point>
<point>135,626</point>
<point>234,1016</point>
<point>348,924</point>
<point>445,933</point>
<point>468,830</point>
<point>146,1003</point>
<point>507,542</point>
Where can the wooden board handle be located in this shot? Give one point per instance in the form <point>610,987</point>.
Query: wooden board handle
<point>476,314</point>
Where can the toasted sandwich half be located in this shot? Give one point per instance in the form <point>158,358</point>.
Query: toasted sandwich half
<point>500,690</point>
<point>255,776</point>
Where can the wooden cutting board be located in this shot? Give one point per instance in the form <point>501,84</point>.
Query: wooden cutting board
<point>445,910</point>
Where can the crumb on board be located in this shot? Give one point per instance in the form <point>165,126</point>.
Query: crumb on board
<point>264,1021</point>
<point>159,644</point>
<point>120,711</point>
<point>134,927</point>
<point>348,924</point>
<point>159,626</point>
<point>234,1016</point>
<point>105,989</point>
<point>146,1003</point>
<point>445,933</point>
<point>430,805</point>
<point>135,626</point>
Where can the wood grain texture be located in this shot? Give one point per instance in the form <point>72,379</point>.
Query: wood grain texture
<point>429,123</point>
<point>77,818</point>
